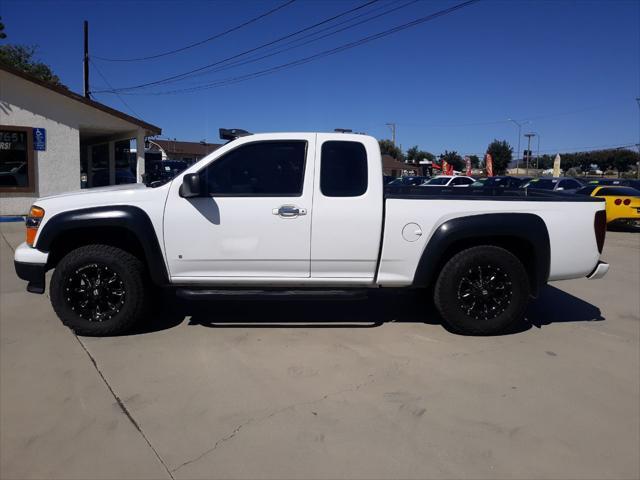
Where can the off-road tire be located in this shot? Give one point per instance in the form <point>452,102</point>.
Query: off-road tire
<point>455,274</point>
<point>131,273</point>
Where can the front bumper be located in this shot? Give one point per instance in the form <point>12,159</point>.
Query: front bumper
<point>600,271</point>
<point>32,273</point>
<point>31,265</point>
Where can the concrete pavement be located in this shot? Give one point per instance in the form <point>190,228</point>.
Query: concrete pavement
<point>327,390</point>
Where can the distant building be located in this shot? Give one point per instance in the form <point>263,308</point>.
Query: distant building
<point>190,152</point>
<point>397,168</point>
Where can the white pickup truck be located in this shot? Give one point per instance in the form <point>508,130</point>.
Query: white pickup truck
<point>295,215</point>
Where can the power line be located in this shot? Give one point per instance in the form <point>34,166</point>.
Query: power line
<point>279,50</point>
<point>201,42</point>
<point>282,50</point>
<point>567,150</point>
<point>506,121</point>
<point>109,85</point>
<point>199,69</point>
<point>587,149</point>
<point>325,53</point>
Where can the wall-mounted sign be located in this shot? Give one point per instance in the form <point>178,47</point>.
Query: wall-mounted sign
<point>39,139</point>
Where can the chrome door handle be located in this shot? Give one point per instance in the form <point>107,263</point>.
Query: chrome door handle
<point>289,211</point>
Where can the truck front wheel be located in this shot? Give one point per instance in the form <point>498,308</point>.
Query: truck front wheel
<point>482,291</point>
<point>98,290</point>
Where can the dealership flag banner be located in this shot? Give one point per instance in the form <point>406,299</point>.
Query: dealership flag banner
<point>467,162</point>
<point>488,163</point>
<point>556,166</point>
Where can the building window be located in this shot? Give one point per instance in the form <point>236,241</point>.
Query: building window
<point>16,159</point>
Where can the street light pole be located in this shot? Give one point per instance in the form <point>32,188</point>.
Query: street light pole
<point>519,125</point>
<point>537,151</point>
<point>393,132</point>
<point>529,135</point>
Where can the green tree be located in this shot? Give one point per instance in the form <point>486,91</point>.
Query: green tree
<point>624,160</point>
<point>501,153</point>
<point>2,34</point>
<point>415,155</point>
<point>453,158</point>
<point>572,172</point>
<point>387,147</point>
<point>475,161</point>
<point>22,58</point>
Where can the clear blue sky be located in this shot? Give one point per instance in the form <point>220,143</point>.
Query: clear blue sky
<point>572,68</point>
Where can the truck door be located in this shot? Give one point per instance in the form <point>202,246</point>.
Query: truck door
<point>255,219</point>
<point>347,208</point>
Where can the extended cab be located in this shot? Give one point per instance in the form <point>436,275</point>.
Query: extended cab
<point>304,214</point>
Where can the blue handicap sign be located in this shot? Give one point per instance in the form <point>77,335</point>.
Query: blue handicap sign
<point>39,139</point>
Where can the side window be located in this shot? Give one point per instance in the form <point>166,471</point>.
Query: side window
<point>568,184</point>
<point>343,169</point>
<point>259,169</point>
<point>461,181</point>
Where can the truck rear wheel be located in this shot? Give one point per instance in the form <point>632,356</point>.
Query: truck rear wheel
<point>99,290</point>
<point>482,291</point>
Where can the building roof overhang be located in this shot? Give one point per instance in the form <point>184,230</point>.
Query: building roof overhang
<point>148,127</point>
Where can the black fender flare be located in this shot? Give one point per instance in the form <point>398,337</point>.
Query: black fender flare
<point>487,229</point>
<point>129,217</point>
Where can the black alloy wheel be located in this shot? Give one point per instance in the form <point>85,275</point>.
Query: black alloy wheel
<point>99,290</point>
<point>95,292</point>
<point>482,290</point>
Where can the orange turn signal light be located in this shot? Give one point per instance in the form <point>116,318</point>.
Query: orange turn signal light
<point>36,212</point>
<point>31,235</point>
<point>33,222</point>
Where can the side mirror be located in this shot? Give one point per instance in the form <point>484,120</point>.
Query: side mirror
<point>191,186</point>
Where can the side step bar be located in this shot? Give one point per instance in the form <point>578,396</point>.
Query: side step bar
<point>247,295</point>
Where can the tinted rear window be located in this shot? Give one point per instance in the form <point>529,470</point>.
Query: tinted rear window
<point>343,169</point>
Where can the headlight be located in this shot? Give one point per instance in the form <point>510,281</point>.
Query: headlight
<point>33,222</point>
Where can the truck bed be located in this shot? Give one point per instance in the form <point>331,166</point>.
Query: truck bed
<point>568,218</point>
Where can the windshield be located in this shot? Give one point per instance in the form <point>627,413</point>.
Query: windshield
<point>438,181</point>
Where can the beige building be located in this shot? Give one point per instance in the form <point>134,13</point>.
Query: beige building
<point>53,140</point>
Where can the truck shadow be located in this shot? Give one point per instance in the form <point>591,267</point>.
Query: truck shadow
<point>553,306</point>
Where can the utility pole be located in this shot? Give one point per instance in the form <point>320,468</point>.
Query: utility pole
<point>85,60</point>
<point>392,126</point>
<point>519,125</point>
<point>528,135</point>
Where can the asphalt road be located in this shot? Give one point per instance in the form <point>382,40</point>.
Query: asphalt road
<point>313,390</point>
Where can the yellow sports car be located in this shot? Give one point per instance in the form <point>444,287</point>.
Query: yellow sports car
<point>622,203</point>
